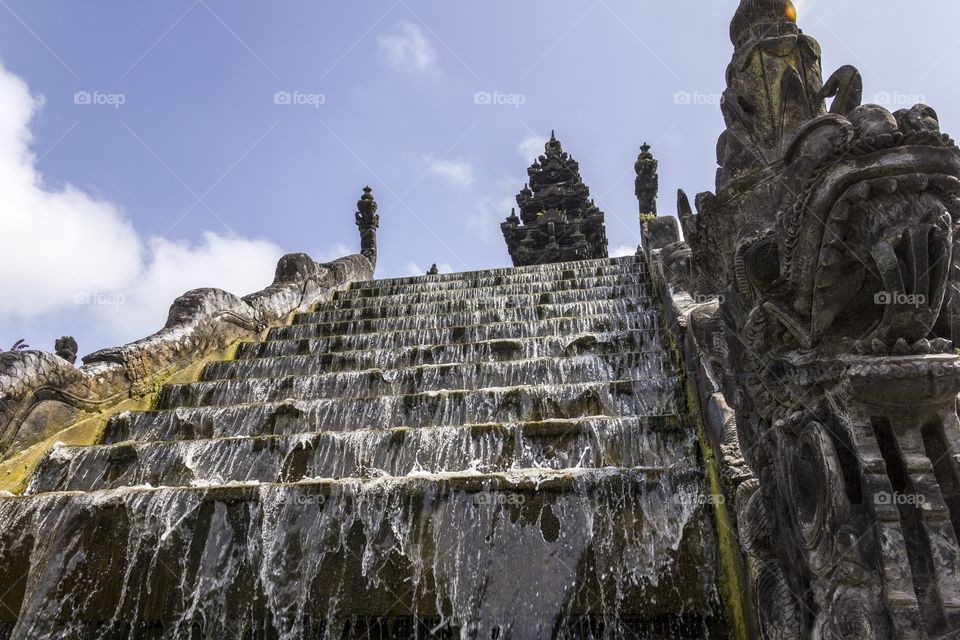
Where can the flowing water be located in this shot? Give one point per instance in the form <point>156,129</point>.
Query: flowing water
<point>490,455</point>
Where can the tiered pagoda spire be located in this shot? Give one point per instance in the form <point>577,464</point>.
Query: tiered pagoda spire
<point>558,221</point>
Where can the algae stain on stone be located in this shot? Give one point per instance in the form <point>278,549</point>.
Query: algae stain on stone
<point>88,428</point>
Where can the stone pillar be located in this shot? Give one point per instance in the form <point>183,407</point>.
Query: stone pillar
<point>648,182</point>
<point>367,222</point>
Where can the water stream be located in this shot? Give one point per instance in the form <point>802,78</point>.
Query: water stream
<point>492,455</point>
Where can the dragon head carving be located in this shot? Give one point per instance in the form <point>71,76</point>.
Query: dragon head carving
<point>832,242</point>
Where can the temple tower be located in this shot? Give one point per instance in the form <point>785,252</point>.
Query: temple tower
<point>558,221</point>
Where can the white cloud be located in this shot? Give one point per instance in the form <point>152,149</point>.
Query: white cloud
<point>408,49</point>
<point>65,248</point>
<point>622,251</point>
<point>532,147</point>
<point>57,242</point>
<point>234,264</point>
<point>458,173</point>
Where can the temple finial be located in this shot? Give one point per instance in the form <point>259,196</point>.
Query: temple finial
<point>368,221</point>
<point>758,19</point>
<point>647,184</point>
<point>553,144</point>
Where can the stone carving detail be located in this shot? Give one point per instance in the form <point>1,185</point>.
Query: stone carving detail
<point>368,221</point>
<point>558,222</point>
<point>433,270</point>
<point>66,347</point>
<point>830,248</point>
<point>647,184</point>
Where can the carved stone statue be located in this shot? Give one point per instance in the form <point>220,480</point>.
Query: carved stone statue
<point>433,270</point>
<point>368,221</point>
<point>648,182</point>
<point>830,245</point>
<point>66,347</point>
<point>559,221</point>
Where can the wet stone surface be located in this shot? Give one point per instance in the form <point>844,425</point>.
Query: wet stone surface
<point>498,454</point>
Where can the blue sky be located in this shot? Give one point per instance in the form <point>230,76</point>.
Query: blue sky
<point>144,150</point>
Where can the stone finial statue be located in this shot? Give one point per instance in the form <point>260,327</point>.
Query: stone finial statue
<point>648,182</point>
<point>66,347</point>
<point>433,270</point>
<point>775,86</point>
<point>368,221</point>
<point>830,244</point>
<point>657,233</point>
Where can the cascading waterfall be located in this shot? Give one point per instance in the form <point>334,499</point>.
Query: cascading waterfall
<point>494,455</point>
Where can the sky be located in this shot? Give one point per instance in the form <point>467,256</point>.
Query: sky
<point>150,148</point>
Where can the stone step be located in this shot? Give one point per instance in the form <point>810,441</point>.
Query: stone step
<point>376,318</point>
<point>377,382</point>
<point>474,296</point>
<point>544,270</point>
<point>560,444</point>
<point>563,279</point>
<point>465,334</point>
<point>409,453</point>
<point>300,330</point>
<point>484,278</point>
<point>302,357</point>
<point>223,562</point>
<point>434,408</point>
<point>453,290</point>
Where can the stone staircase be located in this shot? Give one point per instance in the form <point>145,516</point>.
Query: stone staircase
<point>490,455</point>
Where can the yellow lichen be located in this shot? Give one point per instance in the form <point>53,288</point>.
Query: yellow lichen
<point>88,428</point>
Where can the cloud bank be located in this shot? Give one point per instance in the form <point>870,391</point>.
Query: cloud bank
<point>66,251</point>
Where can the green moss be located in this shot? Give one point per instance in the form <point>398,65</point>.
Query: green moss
<point>398,435</point>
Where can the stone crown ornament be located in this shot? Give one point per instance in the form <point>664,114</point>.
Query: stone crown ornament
<point>755,18</point>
